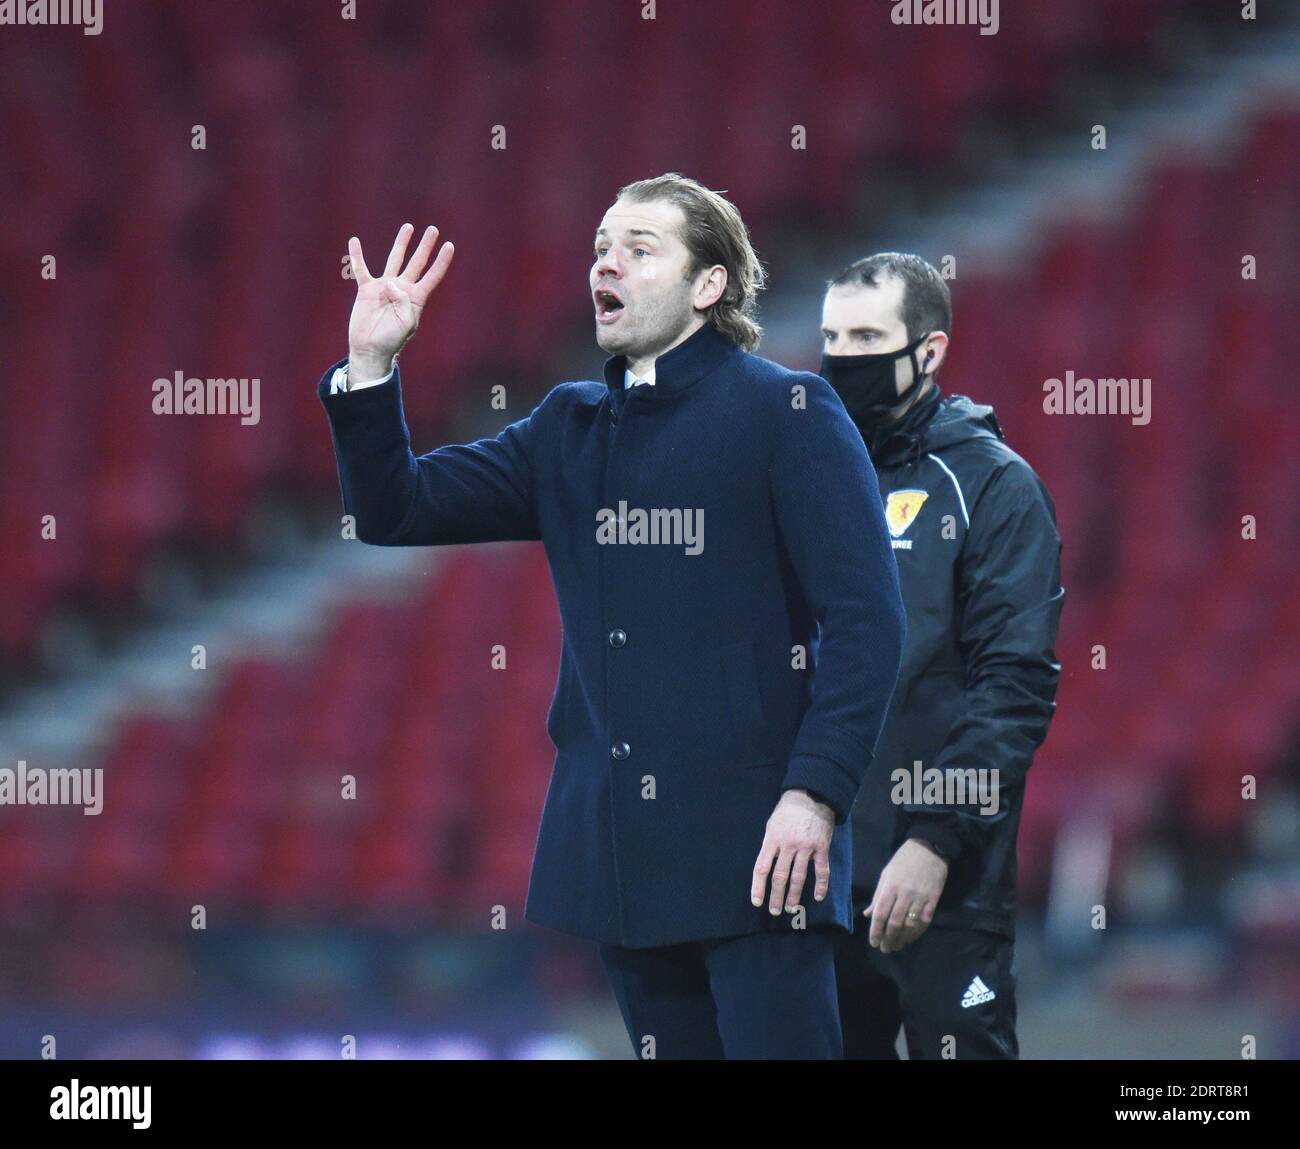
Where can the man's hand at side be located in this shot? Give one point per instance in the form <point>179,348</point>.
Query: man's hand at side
<point>798,832</point>
<point>907,893</point>
<point>388,308</point>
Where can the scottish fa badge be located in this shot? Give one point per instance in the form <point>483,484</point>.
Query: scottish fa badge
<point>901,508</point>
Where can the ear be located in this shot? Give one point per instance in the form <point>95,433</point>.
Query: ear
<point>710,284</point>
<point>936,350</point>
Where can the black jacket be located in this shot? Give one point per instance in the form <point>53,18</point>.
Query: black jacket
<point>974,532</point>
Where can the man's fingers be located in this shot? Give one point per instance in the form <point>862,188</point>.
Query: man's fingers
<point>798,875</point>
<point>780,879</point>
<point>360,272</point>
<point>421,290</point>
<point>420,256</point>
<point>912,929</point>
<point>398,253</point>
<point>872,900</point>
<point>897,925</point>
<point>879,911</point>
<point>822,865</point>
<point>894,926</point>
<point>758,887</point>
<point>916,926</point>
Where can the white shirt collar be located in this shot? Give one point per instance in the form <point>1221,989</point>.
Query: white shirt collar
<point>648,377</point>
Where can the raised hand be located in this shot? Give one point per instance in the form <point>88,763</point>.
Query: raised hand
<point>388,308</point>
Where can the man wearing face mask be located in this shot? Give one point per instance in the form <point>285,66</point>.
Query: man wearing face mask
<point>934,828</point>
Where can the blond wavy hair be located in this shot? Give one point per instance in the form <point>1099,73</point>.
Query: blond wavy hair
<point>713,233</point>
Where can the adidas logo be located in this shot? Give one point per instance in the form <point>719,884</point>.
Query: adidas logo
<point>977,993</point>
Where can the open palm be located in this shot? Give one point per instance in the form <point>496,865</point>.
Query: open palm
<point>388,307</point>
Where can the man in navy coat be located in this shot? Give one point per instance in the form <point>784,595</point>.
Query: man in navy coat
<point>706,514</point>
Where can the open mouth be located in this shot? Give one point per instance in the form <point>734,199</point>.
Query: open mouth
<point>608,305</point>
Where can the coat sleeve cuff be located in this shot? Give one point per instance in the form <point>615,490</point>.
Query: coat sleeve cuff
<point>939,831</point>
<point>336,386</point>
<point>825,778</point>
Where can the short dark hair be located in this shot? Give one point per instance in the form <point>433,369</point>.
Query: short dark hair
<point>713,233</point>
<point>927,302</point>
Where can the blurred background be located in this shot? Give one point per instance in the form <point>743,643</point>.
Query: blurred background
<point>321,657</point>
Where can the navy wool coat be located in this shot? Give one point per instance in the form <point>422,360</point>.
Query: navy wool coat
<point>684,704</point>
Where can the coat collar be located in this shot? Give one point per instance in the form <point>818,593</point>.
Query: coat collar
<point>675,370</point>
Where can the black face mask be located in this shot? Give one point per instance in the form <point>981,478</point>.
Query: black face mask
<point>866,384</point>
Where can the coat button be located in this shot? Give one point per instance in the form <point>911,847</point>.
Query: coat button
<point>617,638</point>
<point>620,750</point>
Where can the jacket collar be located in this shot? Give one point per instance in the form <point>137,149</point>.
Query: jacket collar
<point>935,423</point>
<point>905,439</point>
<point>675,370</point>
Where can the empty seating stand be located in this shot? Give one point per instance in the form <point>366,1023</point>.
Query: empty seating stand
<point>226,262</point>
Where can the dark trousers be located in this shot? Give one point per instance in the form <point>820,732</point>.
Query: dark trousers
<point>762,996</point>
<point>952,991</point>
